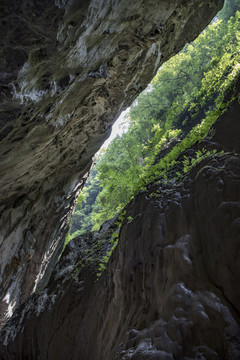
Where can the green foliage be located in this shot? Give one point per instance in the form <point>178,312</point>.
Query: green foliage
<point>114,241</point>
<point>105,259</point>
<point>86,204</point>
<point>229,9</point>
<point>188,163</point>
<point>166,163</point>
<point>178,109</point>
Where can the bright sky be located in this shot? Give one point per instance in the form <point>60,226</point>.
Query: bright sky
<point>119,127</point>
<point>122,123</point>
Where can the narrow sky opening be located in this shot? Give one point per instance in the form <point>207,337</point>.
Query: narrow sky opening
<point>119,127</point>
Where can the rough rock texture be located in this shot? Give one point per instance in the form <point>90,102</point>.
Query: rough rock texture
<point>68,67</point>
<point>171,288</point>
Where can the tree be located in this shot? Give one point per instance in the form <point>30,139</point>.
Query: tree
<point>180,104</point>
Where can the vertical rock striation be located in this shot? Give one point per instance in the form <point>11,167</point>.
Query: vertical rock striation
<point>67,70</point>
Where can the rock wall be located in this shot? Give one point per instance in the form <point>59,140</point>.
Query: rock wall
<point>68,67</point>
<point>170,290</point>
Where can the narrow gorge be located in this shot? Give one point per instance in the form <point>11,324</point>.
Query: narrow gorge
<point>169,286</point>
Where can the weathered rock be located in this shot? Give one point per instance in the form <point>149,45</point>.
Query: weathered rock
<point>67,70</point>
<point>170,290</point>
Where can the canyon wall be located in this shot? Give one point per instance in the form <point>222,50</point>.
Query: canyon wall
<point>170,289</point>
<point>68,68</point>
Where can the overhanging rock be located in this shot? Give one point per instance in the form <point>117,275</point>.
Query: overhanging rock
<point>68,68</point>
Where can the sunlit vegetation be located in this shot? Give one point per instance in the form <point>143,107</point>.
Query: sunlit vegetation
<point>185,99</point>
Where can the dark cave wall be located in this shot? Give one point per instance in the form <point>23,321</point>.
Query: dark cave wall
<point>170,290</point>
<point>68,68</point>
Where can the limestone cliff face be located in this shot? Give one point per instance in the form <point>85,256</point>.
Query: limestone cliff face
<point>171,287</point>
<point>67,69</point>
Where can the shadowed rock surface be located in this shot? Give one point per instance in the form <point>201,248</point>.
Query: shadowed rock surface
<point>170,290</point>
<point>67,70</point>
